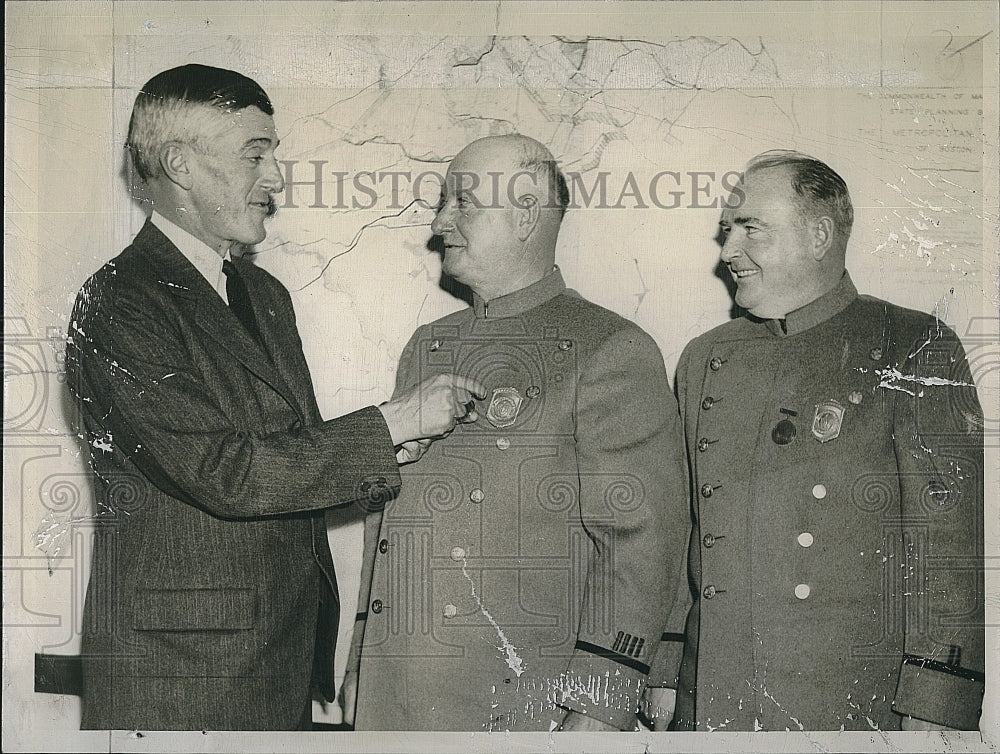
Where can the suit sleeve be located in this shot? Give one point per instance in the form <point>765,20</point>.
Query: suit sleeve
<point>938,435</point>
<point>137,380</point>
<point>665,666</point>
<point>633,505</point>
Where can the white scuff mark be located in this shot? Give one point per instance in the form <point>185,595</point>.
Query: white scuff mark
<point>514,661</point>
<point>171,374</point>
<point>103,442</point>
<point>923,203</point>
<point>890,376</point>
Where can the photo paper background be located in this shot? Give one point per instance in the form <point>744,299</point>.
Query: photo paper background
<point>900,98</point>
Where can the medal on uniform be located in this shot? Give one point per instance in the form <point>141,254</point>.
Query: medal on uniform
<point>504,405</point>
<point>828,420</point>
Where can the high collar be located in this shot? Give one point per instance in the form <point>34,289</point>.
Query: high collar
<point>815,312</point>
<point>518,302</point>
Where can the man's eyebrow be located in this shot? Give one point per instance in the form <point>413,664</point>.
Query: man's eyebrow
<point>261,140</point>
<point>743,220</point>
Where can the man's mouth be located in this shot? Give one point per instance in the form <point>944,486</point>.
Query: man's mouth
<point>741,274</point>
<point>268,206</point>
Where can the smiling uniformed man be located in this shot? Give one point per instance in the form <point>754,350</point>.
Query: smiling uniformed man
<point>835,446</point>
<point>522,578</point>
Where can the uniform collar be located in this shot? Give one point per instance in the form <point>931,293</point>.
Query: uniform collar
<point>520,301</point>
<point>202,256</point>
<point>815,312</point>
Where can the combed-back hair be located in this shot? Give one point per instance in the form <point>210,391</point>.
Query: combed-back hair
<point>821,190</point>
<point>166,109</point>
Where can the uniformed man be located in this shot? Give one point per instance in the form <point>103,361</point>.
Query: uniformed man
<point>523,576</point>
<point>835,448</point>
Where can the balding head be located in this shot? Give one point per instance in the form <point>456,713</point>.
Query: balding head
<point>501,207</point>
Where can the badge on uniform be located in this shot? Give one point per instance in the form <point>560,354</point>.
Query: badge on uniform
<point>504,405</point>
<point>828,420</point>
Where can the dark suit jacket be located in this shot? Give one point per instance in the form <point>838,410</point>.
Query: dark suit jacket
<point>212,600</point>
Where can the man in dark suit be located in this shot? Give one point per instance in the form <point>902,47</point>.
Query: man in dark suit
<point>212,600</point>
<point>835,442</point>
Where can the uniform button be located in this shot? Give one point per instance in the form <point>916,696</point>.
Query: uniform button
<point>802,591</point>
<point>819,491</point>
<point>703,444</point>
<point>708,403</point>
<point>706,490</point>
<point>805,539</point>
<point>477,495</point>
<point>377,606</point>
<point>715,364</point>
<point>532,391</point>
<point>435,345</point>
<point>503,443</point>
<point>383,546</point>
<point>365,486</point>
<point>856,397</point>
<point>708,592</point>
<point>708,540</point>
<point>450,611</point>
<point>457,553</point>
<point>875,354</point>
<point>565,345</point>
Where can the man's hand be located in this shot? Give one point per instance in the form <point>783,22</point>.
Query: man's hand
<point>577,721</point>
<point>657,706</point>
<point>412,451</point>
<point>348,695</point>
<point>431,408</point>
<point>915,723</point>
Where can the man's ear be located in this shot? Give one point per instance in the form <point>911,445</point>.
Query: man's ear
<point>822,237</point>
<point>174,163</point>
<point>527,215</point>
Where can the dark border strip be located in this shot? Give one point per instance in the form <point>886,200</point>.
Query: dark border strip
<point>940,667</point>
<point>621,659</point>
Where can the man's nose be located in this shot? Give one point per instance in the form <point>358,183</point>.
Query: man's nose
<point>273,179</point>
<point>731,248</point>
<point>442,221</point>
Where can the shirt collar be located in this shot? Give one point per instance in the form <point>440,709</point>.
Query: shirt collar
<point>522,300</point>
<point>202,256</point>
<point>815,312</point>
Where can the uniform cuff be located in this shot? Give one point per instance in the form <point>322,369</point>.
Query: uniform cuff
<point>604,684</point>
<point>940,693</point>
<point>664,668</point>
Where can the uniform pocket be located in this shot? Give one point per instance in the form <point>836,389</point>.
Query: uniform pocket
<point>195,610</point>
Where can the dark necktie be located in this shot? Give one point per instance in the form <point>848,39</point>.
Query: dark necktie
<point>239,300</point>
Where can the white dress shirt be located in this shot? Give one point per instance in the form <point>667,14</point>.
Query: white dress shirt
<point>204,258</point>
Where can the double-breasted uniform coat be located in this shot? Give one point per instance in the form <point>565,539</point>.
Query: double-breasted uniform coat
<point>836,558</point>
<point>212,601</point>
<point>527,565</point>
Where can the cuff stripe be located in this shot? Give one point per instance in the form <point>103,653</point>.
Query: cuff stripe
<point>361,616</point>
<point>607,654</point>
<point>940,667</point>
<point>672,637</point>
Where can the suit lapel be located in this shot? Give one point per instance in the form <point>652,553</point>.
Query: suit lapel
<point>210,312</point>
